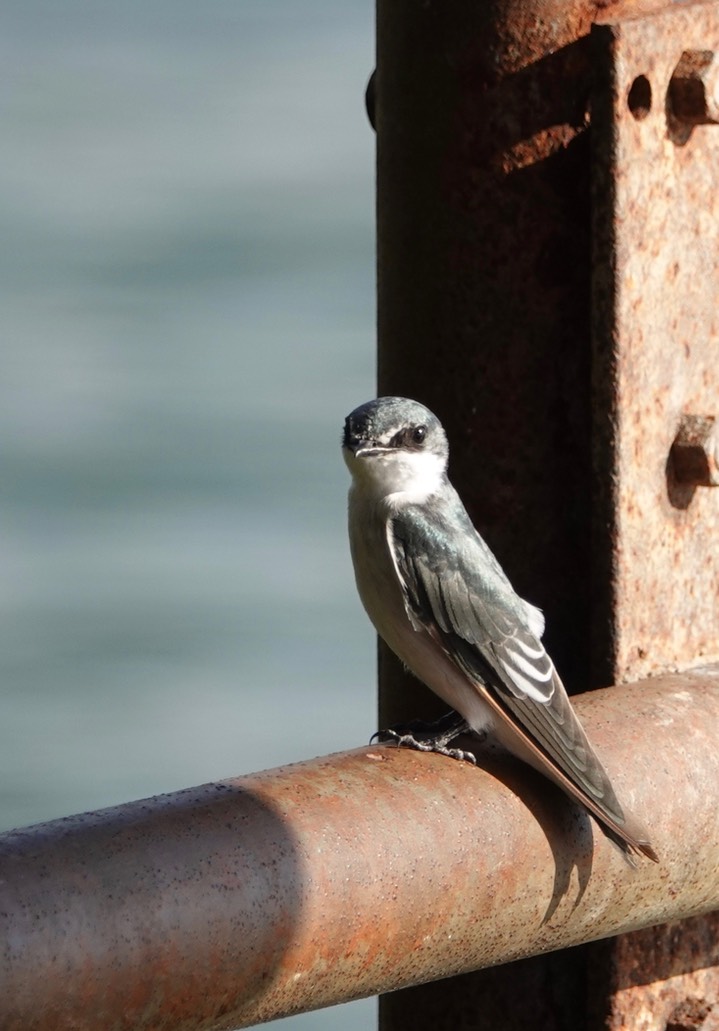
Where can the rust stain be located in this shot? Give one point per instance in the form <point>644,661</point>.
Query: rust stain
<point>656,344</point>
<point>666,978</point>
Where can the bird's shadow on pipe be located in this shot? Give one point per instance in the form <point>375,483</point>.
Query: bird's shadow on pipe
<point>566,825</point>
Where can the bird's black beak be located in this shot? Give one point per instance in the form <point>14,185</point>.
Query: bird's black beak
<point>360,446</point>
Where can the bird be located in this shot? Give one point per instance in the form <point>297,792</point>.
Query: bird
<point>441,601</point>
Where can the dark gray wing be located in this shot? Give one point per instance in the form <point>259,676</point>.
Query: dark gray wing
<point>455,590</point>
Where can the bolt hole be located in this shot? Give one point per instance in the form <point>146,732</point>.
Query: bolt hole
<point>639,98</point>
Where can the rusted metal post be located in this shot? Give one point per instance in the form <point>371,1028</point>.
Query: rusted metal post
<point>656,333</point>
<point>484,277</point>
<point>484,286</point>
<point>656,383</point>
<point>362,872</point>
<point>507,308</point>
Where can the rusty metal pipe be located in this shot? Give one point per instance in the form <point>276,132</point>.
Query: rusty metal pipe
<point>358,873</point>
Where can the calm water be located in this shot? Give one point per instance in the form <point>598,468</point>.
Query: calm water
<point>187,314</point>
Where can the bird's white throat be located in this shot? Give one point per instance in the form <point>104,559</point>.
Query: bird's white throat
<point>401,477</point>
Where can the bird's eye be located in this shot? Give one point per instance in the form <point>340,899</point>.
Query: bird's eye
<point>418,434</point>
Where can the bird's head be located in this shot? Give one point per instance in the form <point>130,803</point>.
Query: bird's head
<point>393,445</point>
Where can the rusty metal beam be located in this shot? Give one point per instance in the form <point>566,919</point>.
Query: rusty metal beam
<point>346,876</point>
<point>548,271</point>
<point>484,281</point>
<point>656,335</point>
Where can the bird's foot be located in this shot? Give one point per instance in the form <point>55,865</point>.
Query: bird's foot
<point>430,737</point>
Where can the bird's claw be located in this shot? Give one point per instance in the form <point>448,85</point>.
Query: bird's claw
<point>430,737</point>
<point>410,741</point>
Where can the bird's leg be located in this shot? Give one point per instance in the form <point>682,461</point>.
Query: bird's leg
<point>430,737</point>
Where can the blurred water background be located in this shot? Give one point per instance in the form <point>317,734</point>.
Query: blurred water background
<point>187,315</point>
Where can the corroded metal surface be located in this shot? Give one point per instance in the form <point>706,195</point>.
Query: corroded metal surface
<point>664,978</point>
<point>484,283</point>
<point>485,245</point>
<point>656,342</point>
<point>483,220</point>
<point>349,875</point>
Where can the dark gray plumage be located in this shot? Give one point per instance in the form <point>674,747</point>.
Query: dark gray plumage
<point>440,599</point>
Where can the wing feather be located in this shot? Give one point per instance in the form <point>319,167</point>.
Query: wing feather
<point>462,598</point>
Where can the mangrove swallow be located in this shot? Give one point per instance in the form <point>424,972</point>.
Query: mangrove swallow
<point>441,601</point>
